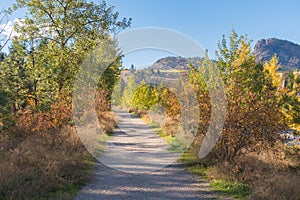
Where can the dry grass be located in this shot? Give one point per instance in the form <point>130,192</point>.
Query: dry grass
<point>39,166</point>
<point>171,126</point>
<point>107,121</point>
<point>272,173</point>
<point>52,164</point>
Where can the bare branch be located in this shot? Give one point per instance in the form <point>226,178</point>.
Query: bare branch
<point>7,39</point>
<point>4,20</point>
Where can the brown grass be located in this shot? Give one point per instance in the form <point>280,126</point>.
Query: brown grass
<point>171,126</point>
<point>49,164</point>
<point>40,165</point>
<point>272,173</point>
<point>107,121</point>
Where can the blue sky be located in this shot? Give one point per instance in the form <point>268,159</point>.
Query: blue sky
<point>206,21</point>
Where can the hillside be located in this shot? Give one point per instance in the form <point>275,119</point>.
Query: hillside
<point>178,63</point>
<point>288,52</point>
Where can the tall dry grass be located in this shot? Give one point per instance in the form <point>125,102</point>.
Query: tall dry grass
<point>42,166</point>
<point>273,173</point>
<point>46,158</point>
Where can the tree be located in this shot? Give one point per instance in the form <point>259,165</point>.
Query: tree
<point>289,99</point>
<point>14,76</point>
<point>53,40</point>
<point>158,72</point>
<point>287,85</point>
<point>50,46</point>
<point>71,28</point>
<point>254,115</point>
<point>271,71</point>
<point>128,92</point>
<point>144,97</point>
<point>198,77</point>
<point>27,77</point>
<point>132,68</point>
<point>118,93</point>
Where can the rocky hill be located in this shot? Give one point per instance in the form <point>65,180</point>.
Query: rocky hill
<point>288,52</point>
<point>178,63</point>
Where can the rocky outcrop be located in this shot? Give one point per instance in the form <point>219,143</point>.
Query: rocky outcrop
<point>287,52</point>
<point>178,63</point>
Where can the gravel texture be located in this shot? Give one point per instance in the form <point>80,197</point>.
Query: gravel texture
<point>136,165</point>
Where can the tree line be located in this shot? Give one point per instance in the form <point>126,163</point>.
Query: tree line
<point>48,47</point>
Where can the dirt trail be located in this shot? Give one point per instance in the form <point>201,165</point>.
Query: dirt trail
<point>137,165</point>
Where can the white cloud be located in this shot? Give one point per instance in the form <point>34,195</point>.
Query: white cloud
<point>44,30</point>
<point>7,28</point>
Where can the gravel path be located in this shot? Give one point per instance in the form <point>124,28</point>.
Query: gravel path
<point>136,165</point>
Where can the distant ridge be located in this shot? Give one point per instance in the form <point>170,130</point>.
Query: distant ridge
<point>178,63</point>
<point>288,52</point>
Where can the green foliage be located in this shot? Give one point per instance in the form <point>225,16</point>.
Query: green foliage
<point>14,75</point>
<point>128,92</point>
<point>144,97</point>
<point>56,36</point>
<point>4,99</point>
<point>192,163</point>
<point>253,115</point>
<point>118,93</point>
<point>175,145</point>
<point>288,97</point>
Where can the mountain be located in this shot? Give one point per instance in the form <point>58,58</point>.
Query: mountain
<point>178,63</point>
<point>287,52</point>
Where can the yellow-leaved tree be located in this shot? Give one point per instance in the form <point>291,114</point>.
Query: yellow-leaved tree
<point>271,71</point>
<point>288,85</point>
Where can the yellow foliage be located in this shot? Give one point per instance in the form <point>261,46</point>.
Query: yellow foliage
<point>270,68</point>
<point>243,54</point>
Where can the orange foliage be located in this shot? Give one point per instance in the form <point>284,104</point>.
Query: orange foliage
<point>59,114</point>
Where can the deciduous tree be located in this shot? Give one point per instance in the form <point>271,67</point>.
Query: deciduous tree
<point>72,29</point>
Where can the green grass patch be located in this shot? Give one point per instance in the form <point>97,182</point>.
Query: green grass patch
<point>192,164</point>
<point>199,170</point>
<point>153,125</point>
<point>234,189</point>
<point>162,134</point>
<point>174,145</point>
